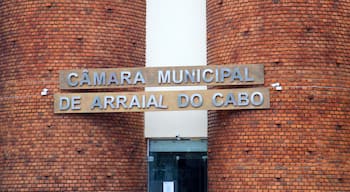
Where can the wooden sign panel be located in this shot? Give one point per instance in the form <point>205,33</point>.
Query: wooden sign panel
<point>214,99</point>
<point>110,78</point>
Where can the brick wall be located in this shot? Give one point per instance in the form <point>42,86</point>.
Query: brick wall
<point>41,151</point>
<point>303,142</point>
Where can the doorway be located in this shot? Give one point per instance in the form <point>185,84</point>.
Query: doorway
<point>177,166</point>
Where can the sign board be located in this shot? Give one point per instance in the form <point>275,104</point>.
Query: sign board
<point>213,99</point>
<point>110,78</point>
<point>113,78</point>
<point>168,186</point>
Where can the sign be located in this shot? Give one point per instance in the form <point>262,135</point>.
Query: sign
<point>110,78</point>
<point>213,99</point>
<point>168,186</point>
<point>113,78</point>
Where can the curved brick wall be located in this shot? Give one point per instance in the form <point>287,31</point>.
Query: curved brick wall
<point>41,151</point>
<point>303,142</point>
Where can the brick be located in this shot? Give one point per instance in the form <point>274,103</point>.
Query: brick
<point>298,144</point>
<point>41,151</point>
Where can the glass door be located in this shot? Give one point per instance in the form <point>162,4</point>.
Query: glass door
<point>178,166</point>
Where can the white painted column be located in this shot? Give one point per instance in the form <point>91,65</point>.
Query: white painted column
<point>176,36</point>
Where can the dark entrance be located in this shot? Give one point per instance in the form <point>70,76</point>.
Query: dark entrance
<point>183,169</point>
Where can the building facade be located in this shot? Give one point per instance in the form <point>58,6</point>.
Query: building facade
<point>45,152</point>
<point>302,143</point>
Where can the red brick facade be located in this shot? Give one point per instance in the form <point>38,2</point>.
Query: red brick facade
<point>303,142</point>
<point>41,151</point>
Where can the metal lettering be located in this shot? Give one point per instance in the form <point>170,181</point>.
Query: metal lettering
<point>86,79</point>
<point>108,100</point>
<point>180,98</point>
<point>204,75</point>
<point>243,99</point>
<point>134,102</point>
<point>99,79</point>
<point>125,76</point>
<point>236,74</point>
<point>216,75</point>
<point>143,101</point>
<point>224,73</point>
<point>246,74</point>
<point>189,75</point>
<point>139,78</point>
<point>163,78</point>
<point>121,100</point>
<point>230,99</point>
<point>96,103</point>
<point>161,106</point>
<point>66,101</point>
<point>112,79</point>
<point>180,80</point>
<point>76,103</point>
<point>198,75</point>
<point>69,80</point>
<point>199,103</point>
<point>260,96</point>
<point>152,101</point>
<point>214,100</point>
